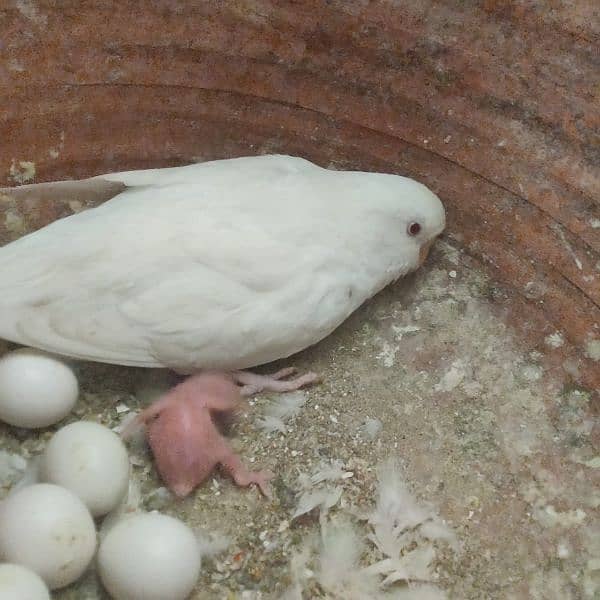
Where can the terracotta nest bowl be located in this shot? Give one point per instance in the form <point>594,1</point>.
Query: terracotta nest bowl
<point>494,105</point>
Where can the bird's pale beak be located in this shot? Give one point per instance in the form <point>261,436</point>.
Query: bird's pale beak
<point>424,251</point>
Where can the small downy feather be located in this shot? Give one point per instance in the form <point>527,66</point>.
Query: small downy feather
<point>13,468</point>
<point>324,498</point>
<point>399,523</point>
<point>396,511</point>
<point>410,566</point>
<point>299,570</point>
<point>339,573</point>
<point>311,491</point>
<point>129,506</point>
<point>371,428</point>
<point>402,530</point>
<point>210,543</point>
<point>270,424</point>
<point>280,410</point>
<point>330,471</point>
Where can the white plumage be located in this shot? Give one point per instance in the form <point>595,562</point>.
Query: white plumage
<point>226,264</point>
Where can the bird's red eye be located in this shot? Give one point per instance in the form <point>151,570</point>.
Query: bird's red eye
<point>414,229</point>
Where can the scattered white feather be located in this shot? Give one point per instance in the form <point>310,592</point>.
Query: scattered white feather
<point>437,530</point>
<point>11,463</point>
<point>313,494</point>
<point>135,437</point>
<point>280,410</point>
<point>399,524</point>
<point>211,543</point>
<point>287,405</point>
<point>324,498</point>
<point>125,421</point>
<point>129,506</point>
<point>304,481</point>
<point>555,340</point>
<point>387,356</point>
<point>339,573</point>
<point>330,471</point>
<point>452,378</point>
<point>413,565</point>
<point>294,592</point>
<point>396,510</point>
<point>371,428</point>
<point>159,498</point>
<point>270,424</point>
<point>400,331</point>
<point>30,476</point>
<point>403,530</point>
<point>299,572</point>
<point>13,467</point>
<point>341,549</point>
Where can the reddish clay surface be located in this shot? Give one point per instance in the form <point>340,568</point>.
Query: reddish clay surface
<point>495,105</point>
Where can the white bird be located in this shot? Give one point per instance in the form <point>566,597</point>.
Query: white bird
<point>224,265</point>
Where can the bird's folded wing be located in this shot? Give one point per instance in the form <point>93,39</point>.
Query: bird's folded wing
<point>199,280</point>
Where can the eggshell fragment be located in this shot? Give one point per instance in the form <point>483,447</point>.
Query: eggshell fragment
<point>20,583</point>
<point>91,461</point>
<point>149,557</point>
<point>36,389</point>
<point>48,529</point>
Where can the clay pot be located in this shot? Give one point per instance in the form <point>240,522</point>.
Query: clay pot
<point>494,105</point>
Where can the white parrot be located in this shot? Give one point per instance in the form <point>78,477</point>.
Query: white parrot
<point>221,265</point>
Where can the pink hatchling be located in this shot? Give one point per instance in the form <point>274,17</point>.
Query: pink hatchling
<point>184,438</point>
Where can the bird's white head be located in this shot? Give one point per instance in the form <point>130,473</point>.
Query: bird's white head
<point>423,216</point>
<point>405,214</point>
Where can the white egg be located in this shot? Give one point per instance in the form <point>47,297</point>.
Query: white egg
<point>149,557</point>
<point>48,529</point>
<point>36,389</point>
<point>91,461</point>
<point>20,583</point>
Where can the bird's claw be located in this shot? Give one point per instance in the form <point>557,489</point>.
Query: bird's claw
<point>252,383</point>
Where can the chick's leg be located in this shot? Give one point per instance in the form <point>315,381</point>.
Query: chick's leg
<point>243,477</point>
<point>252,383</point>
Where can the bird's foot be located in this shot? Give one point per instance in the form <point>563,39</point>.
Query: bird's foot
<point>243,477</point>
<point>258,478</point>
<point>252,383</point>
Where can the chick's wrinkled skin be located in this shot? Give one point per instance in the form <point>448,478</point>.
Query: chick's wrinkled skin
<point>185,440</point>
